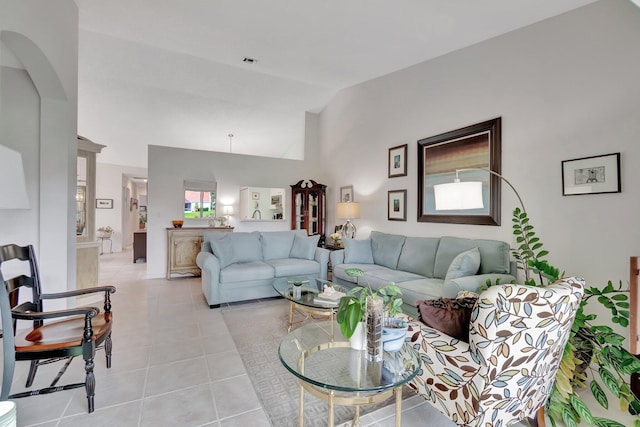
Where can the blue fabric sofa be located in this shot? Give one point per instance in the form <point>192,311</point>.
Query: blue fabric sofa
<point>423,267</point>
<point>241,266</point>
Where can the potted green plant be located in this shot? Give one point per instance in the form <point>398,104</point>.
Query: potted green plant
<point>594,356</point>
<point>105,232</point>
<point>142,221</point>
<point>353,306</point>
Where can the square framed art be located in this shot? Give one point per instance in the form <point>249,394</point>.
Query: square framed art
<point>397,205</point>
<point>346,193</point>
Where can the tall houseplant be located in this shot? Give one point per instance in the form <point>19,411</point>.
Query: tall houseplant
<point>594,354</point>
<point>353,306</point>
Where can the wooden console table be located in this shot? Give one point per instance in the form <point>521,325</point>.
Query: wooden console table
<point>183,245</point>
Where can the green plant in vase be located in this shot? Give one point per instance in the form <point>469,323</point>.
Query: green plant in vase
<point>594,356</point>
<point>353,306</point>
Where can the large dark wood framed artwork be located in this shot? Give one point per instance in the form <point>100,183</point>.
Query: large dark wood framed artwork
<point>473,147</point>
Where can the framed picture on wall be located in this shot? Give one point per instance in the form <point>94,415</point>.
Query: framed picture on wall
<point>591,175</point>
<point>397,205</point>
<point>104,203</point>
<point>469,152</point>
<point>398,161</point>
<point>346,194</point>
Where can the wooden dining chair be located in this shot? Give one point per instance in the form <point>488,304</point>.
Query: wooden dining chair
<point>54,335</point>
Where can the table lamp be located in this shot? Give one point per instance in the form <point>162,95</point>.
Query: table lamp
<point>227,211</point>
<point>348,211</point>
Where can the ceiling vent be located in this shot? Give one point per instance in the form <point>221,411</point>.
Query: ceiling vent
<point>249,60</point>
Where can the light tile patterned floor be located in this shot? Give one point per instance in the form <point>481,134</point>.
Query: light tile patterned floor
<point>174,364</point>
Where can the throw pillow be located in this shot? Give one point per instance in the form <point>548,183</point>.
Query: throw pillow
<point>448,315</point>
<point>304,247</point>
<point>223,250</point>
<point>246,247</point>
<point>466,263</point>
<point>357,251</point>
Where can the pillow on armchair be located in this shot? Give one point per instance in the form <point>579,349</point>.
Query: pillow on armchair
<point>448,315</point>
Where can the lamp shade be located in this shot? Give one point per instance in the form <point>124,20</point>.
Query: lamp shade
<point>13,188</point>
<point>458,196</point>
<point>348,210</point>
<point>227,210</point>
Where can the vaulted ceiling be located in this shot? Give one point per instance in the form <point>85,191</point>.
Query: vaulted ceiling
<point>171,73</point>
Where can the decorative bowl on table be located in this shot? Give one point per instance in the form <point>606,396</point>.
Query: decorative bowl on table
<point>177,223</point>
<point>393,334</point>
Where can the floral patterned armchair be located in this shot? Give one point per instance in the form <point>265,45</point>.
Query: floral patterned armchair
<point>506,371</point>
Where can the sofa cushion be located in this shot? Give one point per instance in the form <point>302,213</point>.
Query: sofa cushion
<point>464,264</point>
<point>294,267</point>
<point>339,271</point>
<point>357,251</point>
<point>208,236</point>
<point>494,255</point>
<point>222,248</point>
<point>304,247</point>
<point>383,276</point>
<point>419,255</point>
<point>276,244</point>
<point>241,272</point>
<point>416,290</point>
<point>246,246</point>
<point>386,248</point>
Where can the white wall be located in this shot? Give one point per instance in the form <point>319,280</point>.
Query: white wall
<point>169,167</point>
<point>110,180</point>
<point>41,38</point>
<point>565,88</point>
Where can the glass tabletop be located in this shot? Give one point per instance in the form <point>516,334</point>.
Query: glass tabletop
<point>314,356</point>
<point>309,291</point>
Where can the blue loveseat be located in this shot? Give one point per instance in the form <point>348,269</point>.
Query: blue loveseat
<point>241,266</point>
<point>423,267</point>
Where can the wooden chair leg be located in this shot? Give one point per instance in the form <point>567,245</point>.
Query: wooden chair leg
<point>90,383</point>
<point>108,346</point>
<point>538,419</point>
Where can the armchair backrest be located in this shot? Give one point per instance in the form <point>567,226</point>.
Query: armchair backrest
<point>517,335</point>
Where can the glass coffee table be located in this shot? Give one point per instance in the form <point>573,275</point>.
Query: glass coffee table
<point>329,369</point>
<point>302,294</point>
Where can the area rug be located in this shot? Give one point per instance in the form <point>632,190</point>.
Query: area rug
<point>257,329</point>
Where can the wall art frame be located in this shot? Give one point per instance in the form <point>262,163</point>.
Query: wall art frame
<point>476,147</point>
<point>398,161</point>
<point>104,203</point>
<point>397,205</point>
<point>591,175</point>
<point>346,193</point>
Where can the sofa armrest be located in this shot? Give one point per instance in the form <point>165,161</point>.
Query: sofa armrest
<point>210,267</point>
<point>451,288</point>
<point>337,257</point>
<point>322,256</point>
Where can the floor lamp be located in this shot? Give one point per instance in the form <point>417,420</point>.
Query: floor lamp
<point>458,195</point>
<point>348,211</point>
<point>13,188</point>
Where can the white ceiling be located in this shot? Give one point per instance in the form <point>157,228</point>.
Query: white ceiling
<point>169,72</point>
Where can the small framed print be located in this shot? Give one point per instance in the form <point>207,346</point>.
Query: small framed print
<point>591,175</point>
<point>397,205</point>
<point>255,195</point>
<point>104,203</point>
<point>398,161</point>
<point>346,194</point>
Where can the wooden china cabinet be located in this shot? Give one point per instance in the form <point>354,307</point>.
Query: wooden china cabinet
<point>308,207</point>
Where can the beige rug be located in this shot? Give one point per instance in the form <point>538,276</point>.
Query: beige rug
<point>257,329</point>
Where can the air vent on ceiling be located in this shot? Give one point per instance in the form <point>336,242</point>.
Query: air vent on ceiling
<point>249,60</point>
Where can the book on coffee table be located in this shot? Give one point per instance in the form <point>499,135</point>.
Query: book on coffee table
<point>329,296</point>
